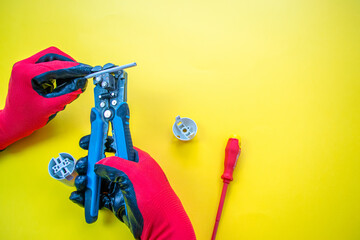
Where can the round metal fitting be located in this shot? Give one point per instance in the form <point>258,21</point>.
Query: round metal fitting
<point>107,113</point>
<point>98,78</point>
<point>102,104</point>
<point>114,102</point>
<point>104,84</point>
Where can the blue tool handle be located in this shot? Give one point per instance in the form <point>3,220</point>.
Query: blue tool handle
<point>95,154</point>
<point>121,133</point>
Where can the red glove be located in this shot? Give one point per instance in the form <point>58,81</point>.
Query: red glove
<point>39,87</point>
<point>140,195</point>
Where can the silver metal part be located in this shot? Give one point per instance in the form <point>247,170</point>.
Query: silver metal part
<point>123,88</point>
<point>107,113</point>
<point>113,102</point>
<point>102,104</point>
<point>110,70</point>
<point>104,84</point>
<point>97,79</point>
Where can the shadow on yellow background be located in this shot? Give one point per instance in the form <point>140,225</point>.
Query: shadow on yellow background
<point>282,74</point>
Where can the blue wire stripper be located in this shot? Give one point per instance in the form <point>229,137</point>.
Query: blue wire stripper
<point>110,95</point>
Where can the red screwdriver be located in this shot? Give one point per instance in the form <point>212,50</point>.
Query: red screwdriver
<point>232,153</point>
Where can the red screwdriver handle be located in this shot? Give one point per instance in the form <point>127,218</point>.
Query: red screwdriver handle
<point>232,153</point>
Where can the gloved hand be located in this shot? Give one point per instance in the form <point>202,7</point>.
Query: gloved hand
<point>39,87</point>
<point>139,194</point>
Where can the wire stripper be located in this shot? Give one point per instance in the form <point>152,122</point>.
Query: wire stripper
<point>111,108</point>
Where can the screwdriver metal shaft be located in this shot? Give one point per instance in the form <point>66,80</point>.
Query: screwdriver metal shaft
<point>114,69</point>
<point>218,215</point>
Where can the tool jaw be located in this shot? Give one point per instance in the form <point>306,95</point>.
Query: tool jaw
<point>110,91</point>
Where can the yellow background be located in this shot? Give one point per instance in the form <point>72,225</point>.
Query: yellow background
<point>282,74</point>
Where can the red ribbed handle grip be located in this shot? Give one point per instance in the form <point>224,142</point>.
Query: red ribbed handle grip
<point>232,153</point>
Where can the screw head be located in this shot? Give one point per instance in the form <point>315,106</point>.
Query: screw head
<point>102,104</point>
<point>114,102</point>
<point>107,114</point>
<point>104,84</point>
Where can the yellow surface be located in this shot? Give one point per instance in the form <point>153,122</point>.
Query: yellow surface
<point>283,75</point>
